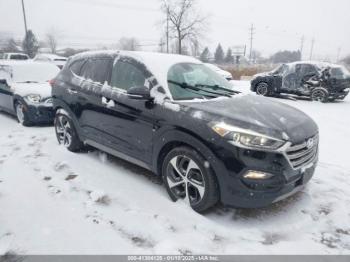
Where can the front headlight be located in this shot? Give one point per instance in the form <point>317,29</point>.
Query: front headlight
<point>33,98</point>
<point>247,138</point>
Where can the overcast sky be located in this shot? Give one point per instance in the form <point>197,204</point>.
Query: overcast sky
<point>279,24</point>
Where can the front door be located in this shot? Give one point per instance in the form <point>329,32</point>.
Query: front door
<point>127,124</point>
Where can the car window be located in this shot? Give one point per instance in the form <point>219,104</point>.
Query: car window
<point>96,70</point>
<point>76,67</point>
<point>308,69</point>
<point>126,75</point>
<point>18,57</point>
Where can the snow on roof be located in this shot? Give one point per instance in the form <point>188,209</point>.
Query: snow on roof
<point>316,63</point>
<point>52,56</point>
<point>157,63</point>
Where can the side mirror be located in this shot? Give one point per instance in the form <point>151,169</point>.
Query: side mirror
<point>139,93</point>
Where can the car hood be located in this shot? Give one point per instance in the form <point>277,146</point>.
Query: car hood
<point>258,114</point>
<point>24,89</point>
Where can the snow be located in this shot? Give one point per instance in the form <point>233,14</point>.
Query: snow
<point>24,89</point>
<point>56,202</point>
<point>30,71</point>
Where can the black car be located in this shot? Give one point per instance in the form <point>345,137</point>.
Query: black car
<point>25,91</point>
<point>176,117</point>
<point>319,81</point>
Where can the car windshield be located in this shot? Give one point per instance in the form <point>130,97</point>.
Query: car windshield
<point>29,72</point>
<point>279,70</point>
<point>189,81</point>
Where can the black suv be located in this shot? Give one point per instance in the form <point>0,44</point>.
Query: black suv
<point>176,117</point>
<point>320,81</point>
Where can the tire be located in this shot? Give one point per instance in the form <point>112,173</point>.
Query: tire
<point>319,94</point>
<point>186,177</point>
<point>21,114</point>
<point>263,89</point>
<point>66,133</point>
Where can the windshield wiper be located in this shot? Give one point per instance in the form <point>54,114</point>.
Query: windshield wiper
<point>192,89</point>
<point>197,89</point>
<point>217,87</point>
<point>29,82</point>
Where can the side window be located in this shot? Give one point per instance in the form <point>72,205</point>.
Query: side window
<point>126,75</point>
<point>308,69</point>
<point>96,70</point>
<point>76,67</point>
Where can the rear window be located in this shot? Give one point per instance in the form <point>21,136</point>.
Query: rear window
<point>76,67</point>
<point>19,57</point>
<point>97,70</point>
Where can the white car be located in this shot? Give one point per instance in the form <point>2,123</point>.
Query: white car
<point>15,56</point>
<point>227,75</point>
<point>59,61</point>
<point>25,90</point>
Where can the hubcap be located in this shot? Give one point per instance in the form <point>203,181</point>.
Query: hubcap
<point>185,179</point>
<point>20,114</point>
<point>318,96</point>
<point>63,131</point>
<point>262,89</point>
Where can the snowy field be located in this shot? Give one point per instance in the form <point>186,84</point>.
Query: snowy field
<point>56,202</point>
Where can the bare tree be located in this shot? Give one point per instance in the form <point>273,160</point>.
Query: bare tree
<point>52,39</point>
<point>183,21</point>
<point>128,43</point>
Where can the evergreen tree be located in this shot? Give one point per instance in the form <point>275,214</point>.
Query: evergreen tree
<point>30,44</point>
<point>205,56</point>
<point>229,56</point>
<point>219,55</point>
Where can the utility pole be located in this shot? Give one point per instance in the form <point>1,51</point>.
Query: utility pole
<point>24,17</point>
<point>251,30</point>
<point>167,30</point>
<point>338,54</point>
<point>302,47</point>
<point>312,48</point>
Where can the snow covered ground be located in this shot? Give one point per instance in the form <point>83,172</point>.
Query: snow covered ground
<point>56,202</point>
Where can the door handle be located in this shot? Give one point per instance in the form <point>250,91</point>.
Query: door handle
<point>108,102</point>
<point>72,91</point>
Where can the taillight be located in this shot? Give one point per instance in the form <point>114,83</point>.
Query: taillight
<point>52,82</point>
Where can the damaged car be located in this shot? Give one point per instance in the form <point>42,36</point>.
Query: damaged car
<point>173,115</point>
<point>25,91</point>
<point>319,81</point>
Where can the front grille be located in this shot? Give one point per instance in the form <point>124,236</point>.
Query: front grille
<point>302,154</point>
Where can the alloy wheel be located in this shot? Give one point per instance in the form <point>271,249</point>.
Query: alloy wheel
<point>64,131</point>
<point>318,95</point>
<point>262,89</point>
<point>185,179</point>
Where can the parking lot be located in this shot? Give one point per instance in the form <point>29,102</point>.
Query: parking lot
<point>93,203</point>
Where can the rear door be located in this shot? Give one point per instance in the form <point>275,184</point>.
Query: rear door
<point>88,107</point>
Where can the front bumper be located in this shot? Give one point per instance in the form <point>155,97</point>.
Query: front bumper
<point>340,95</point>
<point>236,191</point>
<point>40,114</point>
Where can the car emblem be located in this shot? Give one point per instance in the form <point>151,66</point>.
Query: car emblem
<point>310,143</point>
